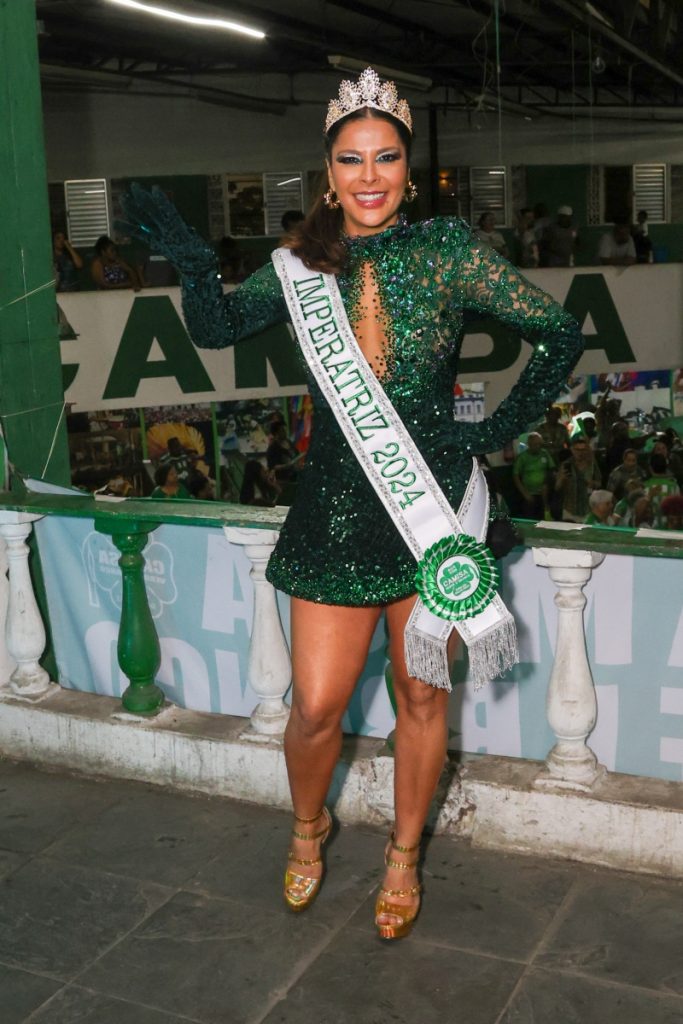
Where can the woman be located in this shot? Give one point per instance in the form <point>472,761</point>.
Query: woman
<point>168,485</point>
<point>67,262</point>
<point>486,232</point>
<point>339,554</point>
<point>259,487</point>
<point>109,270</point>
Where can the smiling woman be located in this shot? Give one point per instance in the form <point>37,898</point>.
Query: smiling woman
<point>368,171</point>
<point>390,484</point>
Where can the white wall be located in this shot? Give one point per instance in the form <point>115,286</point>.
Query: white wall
<point>105,135</point>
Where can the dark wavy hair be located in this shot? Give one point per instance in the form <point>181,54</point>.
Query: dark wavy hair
<point>317,239</point>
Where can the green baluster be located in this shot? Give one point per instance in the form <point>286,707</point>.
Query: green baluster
<point>138,648</point>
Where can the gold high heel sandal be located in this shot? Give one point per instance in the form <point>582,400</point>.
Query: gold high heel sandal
<point>406,914</point>
<point>301,890</point>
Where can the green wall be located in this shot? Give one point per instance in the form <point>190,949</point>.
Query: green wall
<point>562,185</point>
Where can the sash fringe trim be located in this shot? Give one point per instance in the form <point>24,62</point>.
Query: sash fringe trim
<point>427,658</point>
<point>490,655</point>
<point>493,653</point>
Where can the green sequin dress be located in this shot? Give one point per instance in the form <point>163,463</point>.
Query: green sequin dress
<point>338,545</point>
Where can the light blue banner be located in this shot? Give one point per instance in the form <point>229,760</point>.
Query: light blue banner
<point>201,597</point>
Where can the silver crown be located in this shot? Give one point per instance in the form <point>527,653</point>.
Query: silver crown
<point>368,91</point>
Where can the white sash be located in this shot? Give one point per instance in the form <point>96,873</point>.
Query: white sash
<point>407,488</point>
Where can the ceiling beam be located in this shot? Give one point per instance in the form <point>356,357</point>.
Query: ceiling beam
<point>583,16</point>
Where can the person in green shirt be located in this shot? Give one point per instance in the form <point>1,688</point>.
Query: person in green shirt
<point>601,509</point>
<point>530,474</point>
<point>658,486</point>
<point>168,485</point>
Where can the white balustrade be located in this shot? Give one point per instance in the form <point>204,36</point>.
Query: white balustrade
<point>24,631</point>
<point>571,703</point>
<point>269,670</point>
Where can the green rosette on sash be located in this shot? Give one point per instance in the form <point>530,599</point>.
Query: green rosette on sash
<point>457,577</point>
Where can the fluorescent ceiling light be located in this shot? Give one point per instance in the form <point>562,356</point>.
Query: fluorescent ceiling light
<point>288,181</point>
<point>191,19</point>
<point>403,77</point>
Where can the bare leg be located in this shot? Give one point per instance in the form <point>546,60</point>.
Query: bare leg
<point>330,645</point>
<point>420,751</point>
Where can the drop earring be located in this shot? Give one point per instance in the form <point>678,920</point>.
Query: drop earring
<point>410,193</point>
<point>331,200</point>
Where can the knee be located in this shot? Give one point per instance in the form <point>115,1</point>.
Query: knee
<point>419,701</point>
<point>311,717</point>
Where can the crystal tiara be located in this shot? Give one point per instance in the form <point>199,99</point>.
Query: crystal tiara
<point>368,91</point>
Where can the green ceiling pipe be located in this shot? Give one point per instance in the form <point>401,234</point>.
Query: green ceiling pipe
<point>138,648</point>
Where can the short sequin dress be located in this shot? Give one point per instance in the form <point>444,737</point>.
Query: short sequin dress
<point>338,544</point>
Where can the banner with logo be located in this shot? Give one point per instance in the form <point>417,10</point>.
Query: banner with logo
<point>201,597</point>
<point>122,349</point>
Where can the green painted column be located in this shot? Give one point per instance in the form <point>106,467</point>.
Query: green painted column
<point>138,646</point>
<point>31,394</point>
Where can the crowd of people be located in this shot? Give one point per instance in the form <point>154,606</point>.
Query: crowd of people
<point>608,480</point>
<point>540,240</point>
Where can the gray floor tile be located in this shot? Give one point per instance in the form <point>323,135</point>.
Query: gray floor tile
<point>215,960</point>
<point>623,928</point>
<point>251,868</point>
<point>56,918</point>
<point>21,993</point>
<point>10,861</point>
<point>546,996</point>
<point>155,835</point>
<point>74,1005</point>
<point>359,979</point>
<point>36,807</point>
<point>484,901</point>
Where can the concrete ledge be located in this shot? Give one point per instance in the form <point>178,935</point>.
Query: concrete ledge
<point>626,822</point>
<point>192,750</point>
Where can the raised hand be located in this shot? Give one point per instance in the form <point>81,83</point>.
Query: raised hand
<point>153,219</point>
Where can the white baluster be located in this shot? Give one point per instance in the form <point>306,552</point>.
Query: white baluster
<point>25,632</point>
<point>571,703</point>
<point>269,670</point>
<point>7,665</point>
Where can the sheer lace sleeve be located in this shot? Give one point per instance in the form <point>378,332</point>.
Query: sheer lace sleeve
<point>215,320</point>
<point>481,280</point>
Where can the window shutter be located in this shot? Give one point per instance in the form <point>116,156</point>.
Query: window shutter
<point>650,191</point>
<point>87,210</point>
<point>282,191</point>
<point>488,191</point>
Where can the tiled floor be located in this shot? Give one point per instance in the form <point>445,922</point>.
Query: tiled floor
<point>125,904</point>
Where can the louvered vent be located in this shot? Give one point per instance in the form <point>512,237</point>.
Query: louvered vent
<point>282,191</point>
<point>488,191</point>
<point>87,210</point>
<point>650,191</point>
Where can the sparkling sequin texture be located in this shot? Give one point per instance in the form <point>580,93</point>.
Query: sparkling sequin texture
<point>405,291</point>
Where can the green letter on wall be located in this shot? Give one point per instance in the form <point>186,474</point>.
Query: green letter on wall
<point>505,352</point>
<point>155,319</point>
<point>275,346</point>
<point>589,294</point>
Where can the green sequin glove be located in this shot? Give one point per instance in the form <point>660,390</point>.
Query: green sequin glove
<point>214,319</point>
<point>153,219</point>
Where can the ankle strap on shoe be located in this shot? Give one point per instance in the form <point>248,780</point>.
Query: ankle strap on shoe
<point>413,891</point>
<point>404,849</point>
<point>310,835</point>
<point>309,821</point>
<point>303,861</point>
<point>399,864</point>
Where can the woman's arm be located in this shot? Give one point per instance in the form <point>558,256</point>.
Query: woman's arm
<point>134,280</point>
<point>214,320</point>
<point>76,257</point>
<point>97,273</point>
<point>485,282</point>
